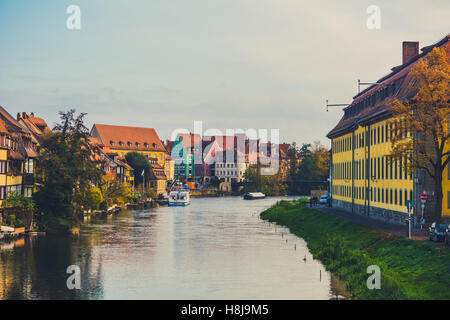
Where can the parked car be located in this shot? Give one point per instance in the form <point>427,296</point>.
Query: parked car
<point>437,231</point>
<point>323,199</point>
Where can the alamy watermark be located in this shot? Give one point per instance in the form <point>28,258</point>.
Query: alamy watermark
<point>73,22</point>
<point>374,280</point>
<point>74,280</point>
<point>373,21</point>
<point>212,146</point>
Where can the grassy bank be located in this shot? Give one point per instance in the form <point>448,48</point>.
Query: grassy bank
<point>409,269</point>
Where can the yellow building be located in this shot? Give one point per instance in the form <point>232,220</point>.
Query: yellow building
<point>158,179</point>
<point>169,167</point>
<point>124,139</point>
<point>363,179</point>
<point>17,157</point>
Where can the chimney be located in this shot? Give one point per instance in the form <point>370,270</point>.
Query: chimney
<point>24,115</point>
<point>410,49</point>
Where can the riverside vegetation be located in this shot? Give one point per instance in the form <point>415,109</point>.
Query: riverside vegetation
<point>410,269</point>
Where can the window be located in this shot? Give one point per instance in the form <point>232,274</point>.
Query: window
<point>111,143</point>
<point>378,134</point>
<point>395,168</point>
<point>28,192</point>
<point>378,168</point>
<point>3,167</point>
<point>448,200</point>
<point>400,168</point>
<point>28,166</point>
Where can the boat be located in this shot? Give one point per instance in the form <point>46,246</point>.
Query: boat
<point>254,195</point>
<point>179,198</point>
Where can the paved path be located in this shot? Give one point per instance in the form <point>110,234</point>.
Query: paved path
<point>398,230</point>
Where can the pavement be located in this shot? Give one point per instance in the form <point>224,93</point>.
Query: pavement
<point>395,229</point>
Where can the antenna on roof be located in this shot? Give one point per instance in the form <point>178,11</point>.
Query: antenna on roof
<point>336,105</point>
<point>365,84</point>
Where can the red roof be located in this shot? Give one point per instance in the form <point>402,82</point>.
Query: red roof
<point>127,138</point>
<point>381,108</point>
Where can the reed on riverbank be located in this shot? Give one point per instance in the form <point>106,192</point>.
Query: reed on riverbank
<point>410,269</point>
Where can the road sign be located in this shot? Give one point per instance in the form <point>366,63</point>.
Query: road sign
<point>409,205</point>
<point>423,197</point>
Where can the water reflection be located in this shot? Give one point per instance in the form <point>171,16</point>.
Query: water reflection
<point>217,248</point>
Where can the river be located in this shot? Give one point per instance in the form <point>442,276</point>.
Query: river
<point>216,248</point>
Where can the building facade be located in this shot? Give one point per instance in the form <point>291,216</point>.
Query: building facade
<point>124,139</point>
<point>18,152</point>
<point>364,179</point>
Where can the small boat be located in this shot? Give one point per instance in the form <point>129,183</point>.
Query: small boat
<point>254,195</point>
<point>179,198</point>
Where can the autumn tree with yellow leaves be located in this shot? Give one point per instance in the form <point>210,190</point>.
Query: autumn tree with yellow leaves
<point>420,130</point>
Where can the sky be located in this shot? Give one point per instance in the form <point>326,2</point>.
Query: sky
<point>261,64</point>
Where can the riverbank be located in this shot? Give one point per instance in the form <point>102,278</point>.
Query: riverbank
<point>410,269</point>
<point>211,193</point>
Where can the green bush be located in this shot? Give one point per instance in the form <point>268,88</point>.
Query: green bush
<point>11,219</point>
<point>18,224</point>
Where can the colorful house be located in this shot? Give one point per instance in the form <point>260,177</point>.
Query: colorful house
<point>186,148</point>
<point>17,157</point>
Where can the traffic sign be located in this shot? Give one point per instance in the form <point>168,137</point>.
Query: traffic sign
<point>409,205</point>
<point>423,197</point>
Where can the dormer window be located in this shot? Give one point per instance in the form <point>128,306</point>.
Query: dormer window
<point>154,145</point>
<point>146,144</point>
<point>138,144</point>
<point>129,143</point>
<point>121,143</point>
<point>111,143</point>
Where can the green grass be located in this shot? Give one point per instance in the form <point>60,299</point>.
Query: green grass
<point>410,269</point>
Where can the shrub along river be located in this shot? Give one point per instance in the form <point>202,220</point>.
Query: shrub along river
<point>216,248</point>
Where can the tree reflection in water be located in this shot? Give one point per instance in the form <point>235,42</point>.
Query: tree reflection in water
<point>35,268</point>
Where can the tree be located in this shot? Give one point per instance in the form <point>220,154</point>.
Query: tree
<point>321,157</point>
<point>419,126</point>
<point>139,162</point>
<point>18,201</point>
<point>67,173</point>
<point>114,192</point>
<point>312,171</point>
<point>294,157</point>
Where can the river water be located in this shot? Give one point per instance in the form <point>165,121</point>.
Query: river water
<point>216,248</point>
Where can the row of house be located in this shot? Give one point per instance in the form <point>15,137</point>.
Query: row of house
<point>201,159</point>
<point>19,142</point>
<point>363,180</point>
<point>116,141</point>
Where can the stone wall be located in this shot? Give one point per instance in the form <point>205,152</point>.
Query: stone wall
<point>376,213</point>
